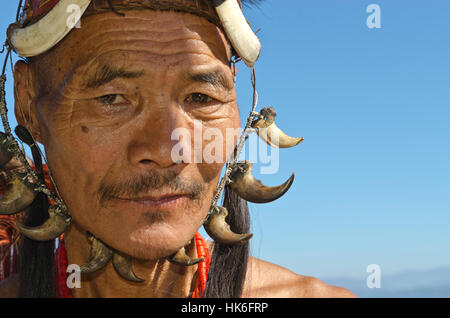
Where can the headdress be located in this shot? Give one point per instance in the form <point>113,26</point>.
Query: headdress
<point>44,23</point>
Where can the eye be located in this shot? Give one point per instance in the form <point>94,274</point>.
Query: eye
<point>112,99</point>
<point>199,98</point>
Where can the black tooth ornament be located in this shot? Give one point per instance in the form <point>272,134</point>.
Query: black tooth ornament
<point>181,258</point>
<point>16,198</point>
<point>99,256</point>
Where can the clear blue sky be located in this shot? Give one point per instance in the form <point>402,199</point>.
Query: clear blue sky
<point>373,175</point>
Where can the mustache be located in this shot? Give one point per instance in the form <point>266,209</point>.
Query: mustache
<point>150,180</point>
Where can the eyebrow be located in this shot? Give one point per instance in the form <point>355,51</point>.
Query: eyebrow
<point>107,73</point>
<point>215,78</point>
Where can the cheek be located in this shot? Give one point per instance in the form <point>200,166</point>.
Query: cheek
<point>233,127</point>
<point>77,182</point>
<point>218,144</point>
<point>78,161</point>
<point>223,133</point>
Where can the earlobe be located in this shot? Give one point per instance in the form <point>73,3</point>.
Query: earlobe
<point>24,106</point>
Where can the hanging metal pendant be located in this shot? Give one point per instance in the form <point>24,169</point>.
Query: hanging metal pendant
<point>253,190</point>
<point>55,225</point>
<point>181,258</point>
<point>270,133</point>
<point>220,231</point>
<point>123,265</point>
<point>99,256</point>
<point>16,198</point>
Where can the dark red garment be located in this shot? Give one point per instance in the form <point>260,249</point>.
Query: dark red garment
<point>62,291</point>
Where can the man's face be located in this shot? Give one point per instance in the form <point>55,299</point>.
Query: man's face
<point>119,88</point>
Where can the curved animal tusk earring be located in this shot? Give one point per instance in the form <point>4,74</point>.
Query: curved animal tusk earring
<point>99,256</point>
<point>17,198</point>
<point>55,225</point>
<point>270,133</point>
<point>253,190</point>
<point>181,258</point>
<point>123,266</point>
<point>220,231</point>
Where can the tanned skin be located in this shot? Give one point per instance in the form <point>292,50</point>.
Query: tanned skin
<point>100,129</point>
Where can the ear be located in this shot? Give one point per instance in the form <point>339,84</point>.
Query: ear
<point>25,99</point>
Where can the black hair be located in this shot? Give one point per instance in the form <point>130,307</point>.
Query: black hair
<point>36,259</point>
<point>229,262</point>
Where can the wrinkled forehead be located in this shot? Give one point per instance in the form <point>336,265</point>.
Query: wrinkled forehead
<point>142,39</point>
<point>186,44</point>
<point>136,25</point>
<point>161,34</point>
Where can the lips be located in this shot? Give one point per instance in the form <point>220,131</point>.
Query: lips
<point>156,201</point>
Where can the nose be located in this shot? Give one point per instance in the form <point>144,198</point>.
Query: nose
<point>152,144</point>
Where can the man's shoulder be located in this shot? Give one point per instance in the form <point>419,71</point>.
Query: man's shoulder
<point>9,288</point>
<point>265,279</point>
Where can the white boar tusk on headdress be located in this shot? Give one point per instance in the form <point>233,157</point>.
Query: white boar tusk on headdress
<point>42,35</point>
<point>242,38</point>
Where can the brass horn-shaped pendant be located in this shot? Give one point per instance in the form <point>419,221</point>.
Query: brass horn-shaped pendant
<point>270,133</point>
<point>220,231</point>
<point>5,153</point>
<point>123,266</point>
<point>99,256</point>
<point>16,198</point>
<point>181,258</point>
<point>253,190</point>
<point>55,225</point>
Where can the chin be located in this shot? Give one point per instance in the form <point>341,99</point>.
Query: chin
<point>149,233</point>
<point>156,241</point>
<point>147,229</point>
